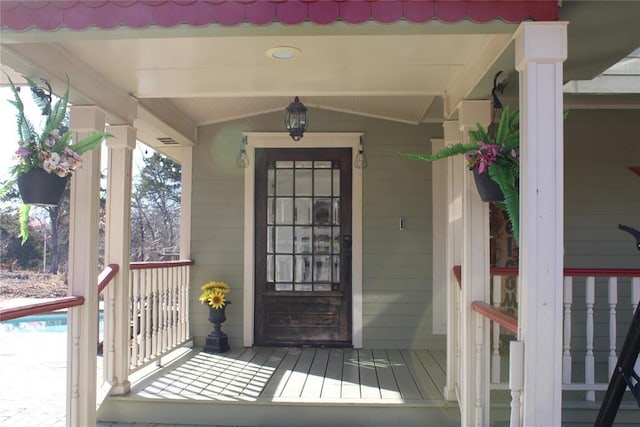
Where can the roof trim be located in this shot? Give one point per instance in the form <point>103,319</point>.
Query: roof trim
<point>50,15</point>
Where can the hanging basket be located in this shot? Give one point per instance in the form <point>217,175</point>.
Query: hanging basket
<point>488,188</point>
<point>40,188</point>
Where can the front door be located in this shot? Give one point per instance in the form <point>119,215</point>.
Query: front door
<point>303,247</point>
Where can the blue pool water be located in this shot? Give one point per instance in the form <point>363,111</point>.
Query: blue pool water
<point>49,322</point>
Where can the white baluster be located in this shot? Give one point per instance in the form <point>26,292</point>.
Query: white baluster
<point>566,354</point>
<point>589,361</point>
<point>613,301</point>
<point>148,315</point>
<point>157,350</point>
<point>142,318</point>
<point>495,356</point>
<point>516,380</point>
<point>133,316</point>
<point>459,344</point>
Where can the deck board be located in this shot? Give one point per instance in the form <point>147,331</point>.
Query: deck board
<point>369,387</point>
<point>350,375</point>
<point>332,384</point>
<point>313,386</point>
<point>298,377</point>
<point>406,383</point>
<point>386,380</point>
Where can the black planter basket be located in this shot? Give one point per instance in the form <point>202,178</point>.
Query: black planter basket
<point>488,188</point>
<point>40,188</point>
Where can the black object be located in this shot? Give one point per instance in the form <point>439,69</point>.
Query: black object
<point>488,189</point>
<point>635,233</point>
<point>217,341</point>
<point>623,375</point>
<point>40,188</point>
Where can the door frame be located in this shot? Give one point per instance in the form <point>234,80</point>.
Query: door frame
<point>310,140</point>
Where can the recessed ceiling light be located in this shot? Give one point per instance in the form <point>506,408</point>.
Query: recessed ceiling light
<point>283,52</point>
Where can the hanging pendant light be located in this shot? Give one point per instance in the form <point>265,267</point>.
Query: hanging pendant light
<point>295,119</point>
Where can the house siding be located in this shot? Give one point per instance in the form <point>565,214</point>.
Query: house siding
<point>397,289</point>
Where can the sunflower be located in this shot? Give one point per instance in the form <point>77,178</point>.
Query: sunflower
<point>216,299</point>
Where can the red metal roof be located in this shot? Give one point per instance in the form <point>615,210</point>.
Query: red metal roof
<point>81,14</point>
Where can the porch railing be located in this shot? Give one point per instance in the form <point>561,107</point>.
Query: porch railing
<point>159,309</point>
<point>597,308</point>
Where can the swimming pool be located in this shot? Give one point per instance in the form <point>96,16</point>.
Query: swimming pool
<point>48,322</point>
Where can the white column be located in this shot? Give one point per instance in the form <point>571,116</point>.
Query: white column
<point>474,383</point>
<point>541,47</point>
<point>117,251</point>
<point>453,256</point>
<point>185,202</point>
<point>439,274</point>
<point>83,273</point>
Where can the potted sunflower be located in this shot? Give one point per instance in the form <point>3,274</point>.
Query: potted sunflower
<point>214,295</point>
<point>45,159</point>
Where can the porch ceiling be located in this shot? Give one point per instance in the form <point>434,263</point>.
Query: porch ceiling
<point>184,77</point>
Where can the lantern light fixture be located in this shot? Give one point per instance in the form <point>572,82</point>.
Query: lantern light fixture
<point>243,159</point>
<point>361,158</point>
<point>295,119</point>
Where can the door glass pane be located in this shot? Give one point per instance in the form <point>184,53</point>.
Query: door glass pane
<point>303,287</point>
<point>270,268</point>
<point>336,240</point>
<point>336,269</point>
<point>303,240</point>
<point>322,211</point>
<point>284,239</point>
<point>284,268</point>
<point>270,231</point>
<point>304,182</point>
<point>322,268</point>
<point>336,211</point>
<point>286,164</point>
<point>303,268</point>
<point>322,240</point>
<point>303,211</point>
<point>284,182</point>
<point>322,182</point>
<point>307,164</point>
<point>322,287</point>
<point>271,217</point>
<point>336,182</point>
<point>284,287</point>
<point>271,182</point>
<point>322,164</point>
<point>284,210</point>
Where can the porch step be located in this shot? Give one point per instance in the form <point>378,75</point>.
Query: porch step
<point>261,414</point>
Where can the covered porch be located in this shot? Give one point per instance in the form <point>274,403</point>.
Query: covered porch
<point>406,310</point>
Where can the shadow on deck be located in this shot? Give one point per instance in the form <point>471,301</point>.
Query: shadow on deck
<point>292,387</point>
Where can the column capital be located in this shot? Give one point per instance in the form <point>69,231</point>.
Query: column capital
<point>452,133</point>
<point>472,112</point>
<point>87,118</point>
<point>124,136</point>
<point>542,42</point>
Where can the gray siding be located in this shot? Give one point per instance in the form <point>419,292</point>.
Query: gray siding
<point>396,264</point>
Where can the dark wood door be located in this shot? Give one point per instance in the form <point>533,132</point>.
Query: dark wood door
<point>303,247</point>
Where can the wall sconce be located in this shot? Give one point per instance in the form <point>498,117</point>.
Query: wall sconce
<point>243,159</point>
<point>361,158</point>
<point>295,119</point>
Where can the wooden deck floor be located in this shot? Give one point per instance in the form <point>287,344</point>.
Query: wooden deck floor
<point>303,375</point>
<point>292,387</point>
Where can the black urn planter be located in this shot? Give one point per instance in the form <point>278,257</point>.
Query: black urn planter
<point>217,341</point>
<point>38,187</point>
<point>489,190</point>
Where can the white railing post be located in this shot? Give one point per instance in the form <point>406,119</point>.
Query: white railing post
<point>566,353</point>
<point>589,361</point>
<point>495,355</point>
<point>117,251</point>
<point>516,381</point>
<point>613,301</point>
<point>474,383</point>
